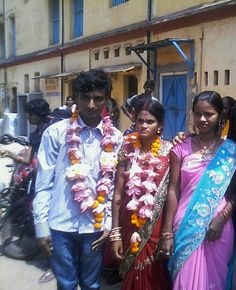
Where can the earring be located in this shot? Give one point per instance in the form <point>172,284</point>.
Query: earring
<point>158,131</point>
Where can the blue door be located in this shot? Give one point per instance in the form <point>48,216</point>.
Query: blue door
<point>174,102</point>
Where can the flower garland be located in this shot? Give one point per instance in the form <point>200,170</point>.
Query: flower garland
<point>79,170</point>
<point>141,185</point>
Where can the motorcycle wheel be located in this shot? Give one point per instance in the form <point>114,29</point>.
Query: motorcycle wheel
<point>16,242</point>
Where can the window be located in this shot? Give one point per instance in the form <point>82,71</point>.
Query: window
<point>206,78</point>
<point>195,78</point>
<point>216,78</point>
<point>55,21</point>
<point>106,53</point>
<point>227,77</point>
<point>12,36</point>
<point>117,52</point>
<point>26,83</point>
<point>37,82</point>
<point>96,55</point>
<point>118,2</point>
<point>78,17</point>
<point>1,40</point>
<point>127,50</point>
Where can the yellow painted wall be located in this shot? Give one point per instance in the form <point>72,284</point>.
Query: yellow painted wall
<point>32,24</point>
<point>162,8</point>
<point>215,45</point>
<point>102,17</point>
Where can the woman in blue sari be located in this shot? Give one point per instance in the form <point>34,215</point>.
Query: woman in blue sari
<point>198,230</point>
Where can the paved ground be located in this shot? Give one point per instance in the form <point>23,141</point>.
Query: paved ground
<point>24,275</point>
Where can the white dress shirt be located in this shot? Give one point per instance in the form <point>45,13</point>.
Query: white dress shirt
<point>53,206</point>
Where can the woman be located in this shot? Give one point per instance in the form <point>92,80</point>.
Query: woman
<point>198,206</point>
<point>139,197</point>
<point>228,104</point>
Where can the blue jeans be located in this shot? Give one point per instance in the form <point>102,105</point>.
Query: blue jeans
<point>74,262</point>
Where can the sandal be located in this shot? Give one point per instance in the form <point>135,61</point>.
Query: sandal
<point>47,276</point>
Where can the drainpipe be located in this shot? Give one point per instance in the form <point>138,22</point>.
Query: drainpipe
<point>148,35</point>
<point>201,59</point>
<point>6,101</point>
<point>62,55</point>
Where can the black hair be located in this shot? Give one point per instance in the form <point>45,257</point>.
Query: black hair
<point>149,83</point>
<point>150,104</point>
<point>232,125</point>
<point>39,107</point>
<point>228,101</point>
<point>212,97</point>
<point>92,80</point>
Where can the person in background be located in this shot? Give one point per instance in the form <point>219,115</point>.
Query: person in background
<point>74,186</point>
<point>38,111</point>
<point>228,104</point>
<point>139,197</point>
<point>37,114</point>
<point>198,232</point>
<point>113,111</point>
<point>128,106</point>
<point>63,112</point>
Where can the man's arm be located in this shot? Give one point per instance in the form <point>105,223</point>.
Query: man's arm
<point>47,156</point>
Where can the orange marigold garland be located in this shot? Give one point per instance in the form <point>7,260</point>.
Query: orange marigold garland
<point>141,185</point>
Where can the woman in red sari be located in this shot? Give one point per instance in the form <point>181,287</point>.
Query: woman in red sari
<point>139,197</point>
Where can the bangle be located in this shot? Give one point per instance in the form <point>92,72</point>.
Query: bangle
<point>115,234</point>
<point>225,213</point>
<point>167,235</point>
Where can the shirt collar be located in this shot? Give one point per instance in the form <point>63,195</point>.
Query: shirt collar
<point>83,125</point>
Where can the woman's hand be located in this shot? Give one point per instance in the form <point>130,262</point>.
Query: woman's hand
<point>165,248</point>
<point>215,229</point>
<point>117,250</point>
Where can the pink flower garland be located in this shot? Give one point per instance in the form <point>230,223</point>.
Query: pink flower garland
<point>78,170</point>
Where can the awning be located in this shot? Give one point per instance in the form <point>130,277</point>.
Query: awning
<point>176,42</point>
<point>65,74</point>
<point>56,75</point>
<point>43,76</point>
<point>120,67</point>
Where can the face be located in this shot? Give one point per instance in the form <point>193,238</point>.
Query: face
<point>148,90</point>
<point>33,119</point>
<point>206,118</point>
<point>69,102</point>
<point>91,104</point>
<point>146,125</point>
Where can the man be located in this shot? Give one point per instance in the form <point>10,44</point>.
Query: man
<point>74,230</point>
<point>127,107</point>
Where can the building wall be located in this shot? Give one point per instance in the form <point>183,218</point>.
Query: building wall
<point>32,24</point>
<point>102,24</point>
<point>212,40</point>
<point>102,17</point>
<point>161,8</point>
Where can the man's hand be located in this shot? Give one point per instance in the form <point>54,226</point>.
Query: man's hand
<point>96,244</point>
<point>46,244</point>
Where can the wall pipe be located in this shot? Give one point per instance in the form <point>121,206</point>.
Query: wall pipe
<point>62,44</point>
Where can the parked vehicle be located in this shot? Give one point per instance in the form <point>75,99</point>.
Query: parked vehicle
<point>16,222</point>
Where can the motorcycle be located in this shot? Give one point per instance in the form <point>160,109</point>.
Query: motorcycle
<point>16,222</point>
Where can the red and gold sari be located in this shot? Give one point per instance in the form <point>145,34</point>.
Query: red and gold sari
<point>142,270</point>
